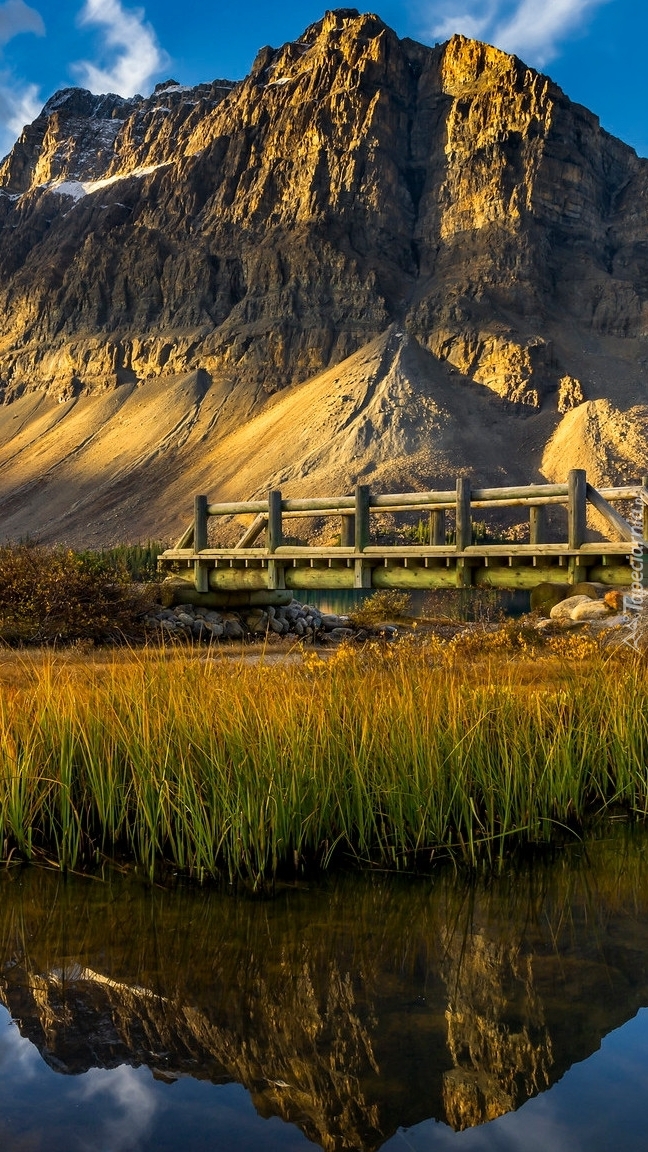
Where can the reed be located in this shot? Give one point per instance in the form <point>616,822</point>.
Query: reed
<point>392,754</point>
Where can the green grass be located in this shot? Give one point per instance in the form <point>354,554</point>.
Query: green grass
<point>393,755</point>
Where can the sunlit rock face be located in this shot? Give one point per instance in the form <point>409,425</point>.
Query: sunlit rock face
<point>263,232</point>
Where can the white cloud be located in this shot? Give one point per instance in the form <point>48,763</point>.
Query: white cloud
<point>19,105</point>
<point>15,17</point>
<point>124,1116</point>
<point>19,102</point>
<point>129,40</point>
<point>533,29</point>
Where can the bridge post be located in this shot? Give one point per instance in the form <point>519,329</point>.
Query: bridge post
<point>438,527</point>
<point>362,502</point>
<point>463,536</point>
<point>200,523</point>
<point>275,527</point>
<point>576,507</point>
<point>347,537</point>
<point>362,571</point>
<point>537,524</point>
<point>200,534</point>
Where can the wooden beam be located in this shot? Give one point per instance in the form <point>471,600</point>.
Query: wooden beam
<point>305,578</point>
<point>276,575</point>
<point>274,531</point>
<point>362,503</point>
<point>614,518</point>
<point>201,576</point>
<point>258,525</point>
<point>200,523</point>
<point>411,578</point>
<point>463,537</point>
<point>537,524</point>
<point>347,537</point>
<point>437,527</point>
<point>186,540</point>
<point>577,507</point>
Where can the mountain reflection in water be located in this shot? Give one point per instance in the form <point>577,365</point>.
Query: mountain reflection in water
<point>350,1009</point>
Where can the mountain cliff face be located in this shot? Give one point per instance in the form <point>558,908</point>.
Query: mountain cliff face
<point>353,186</point>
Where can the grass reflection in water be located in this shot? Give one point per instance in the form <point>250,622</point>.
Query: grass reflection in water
<point>350,1009</point>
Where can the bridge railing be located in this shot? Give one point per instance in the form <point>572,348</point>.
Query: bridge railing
<point>355,512</point>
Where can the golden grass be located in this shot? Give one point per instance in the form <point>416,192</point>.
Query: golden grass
<point>393,753</point>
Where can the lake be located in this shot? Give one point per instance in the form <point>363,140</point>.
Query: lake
<point>366,1011</point>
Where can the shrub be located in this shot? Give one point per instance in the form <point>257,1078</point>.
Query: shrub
<point>385,605</point>
<point>139,560</point>
<point>56,595</point>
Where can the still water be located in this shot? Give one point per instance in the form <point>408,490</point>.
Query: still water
<point>366,1012</point>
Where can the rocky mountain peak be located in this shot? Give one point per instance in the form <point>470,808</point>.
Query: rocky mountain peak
<point>260,233</point>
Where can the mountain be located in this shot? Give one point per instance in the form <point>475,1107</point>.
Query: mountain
<point>370,258</point>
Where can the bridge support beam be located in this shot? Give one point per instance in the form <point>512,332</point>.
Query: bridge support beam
<point>463,535</point>
<point>438,527</point>
<point>576,507</point>
<point>275,528</point>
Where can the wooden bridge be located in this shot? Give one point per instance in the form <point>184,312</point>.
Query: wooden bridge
<point>262,560</point>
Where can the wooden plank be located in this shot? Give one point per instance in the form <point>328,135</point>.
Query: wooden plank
<point>238,508</point>
<point>274,534</point>
<point>362,503</point>
<point>463,537</point>
<point>404,500</point>
<point>577,570</point>
<point>231,579</point>
<point>577,507</point>
<point>305,578</point>
<point>332,504</point>
<point>186,540</point>
<point>201,576</point>
<point>276,575</point>
<point>411,578</point>
<point>297,550</point>
<point>628,492</point>
<point>607,547</point>
<point>464,574</point>
<point>258,525</point>
<point>522,492</point>
<point>516,577</point>
<point>614,518</point>
<point>537,524</point>
<point>361,574</point>
<point>200,523</point>
<point>438,528</point>
<point>422,550</point>
<point>616,575</point>
<point>347,537</point>
<point>497,495</point>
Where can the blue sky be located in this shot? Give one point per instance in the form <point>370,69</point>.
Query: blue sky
<point>595,49</point>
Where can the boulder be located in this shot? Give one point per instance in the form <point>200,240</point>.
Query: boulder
<point>563,610</point>
<point>232,630</point>
<point>588,588</point>
<point>545,595</point>
<point>590,610</point>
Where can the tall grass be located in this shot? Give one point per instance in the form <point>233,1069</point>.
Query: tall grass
<point>223,766</point>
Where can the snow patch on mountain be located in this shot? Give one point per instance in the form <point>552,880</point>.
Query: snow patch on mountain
<point>77,189</point>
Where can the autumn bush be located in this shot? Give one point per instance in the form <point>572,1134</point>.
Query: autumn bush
<point>50,595</point>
